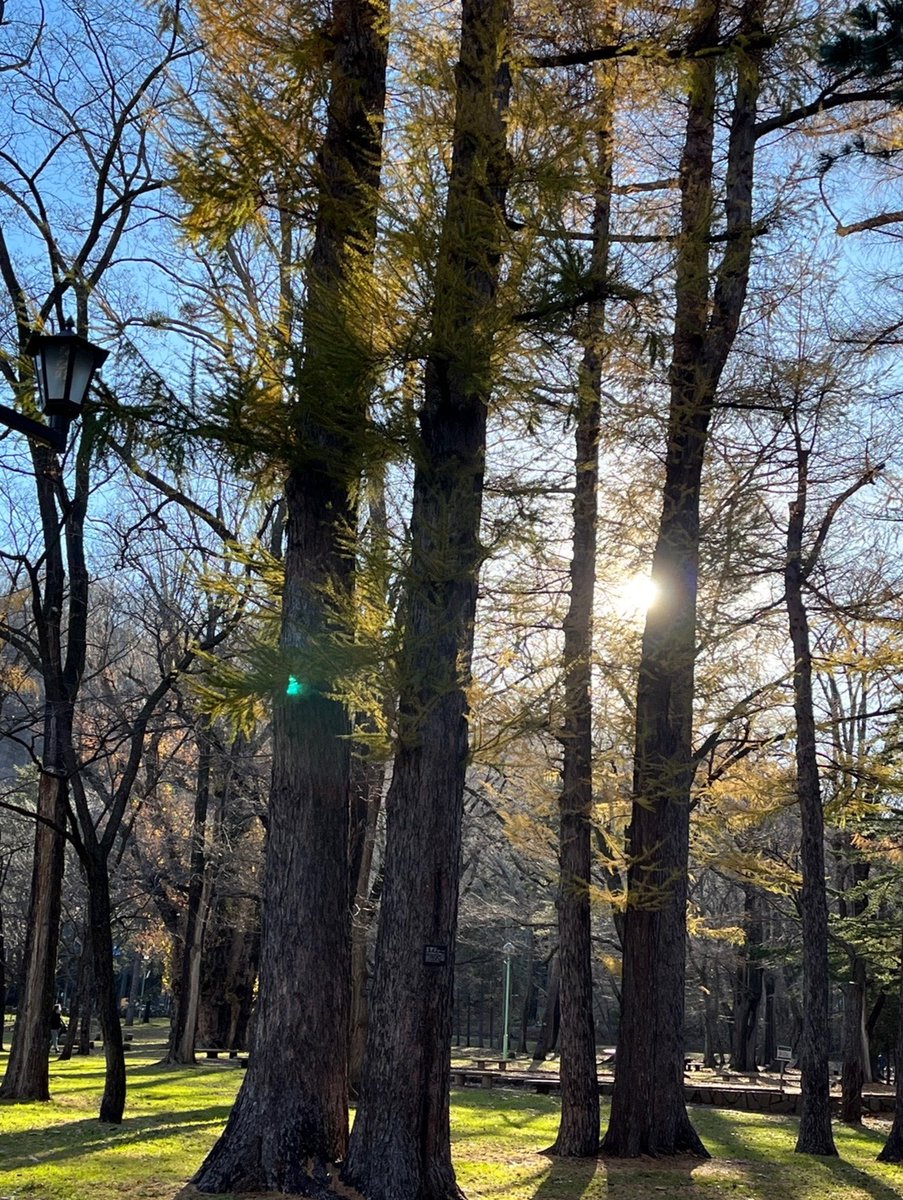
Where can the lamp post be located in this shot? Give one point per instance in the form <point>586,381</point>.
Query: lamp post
<point>64,367</point>
<point>508,949</point>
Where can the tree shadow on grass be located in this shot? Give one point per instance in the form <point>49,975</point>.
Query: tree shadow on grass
<point>617,1179</point>
<point>571,1179</point>
<point>728,1129</point>
<point>78,1138</point>
<point>852,1176</point>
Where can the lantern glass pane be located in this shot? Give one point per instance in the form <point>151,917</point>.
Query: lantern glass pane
<point>39,376</point>
<point>82,370</point>
<point>56,370</point>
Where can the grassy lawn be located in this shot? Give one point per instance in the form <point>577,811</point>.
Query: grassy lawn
<point>59,1151</point>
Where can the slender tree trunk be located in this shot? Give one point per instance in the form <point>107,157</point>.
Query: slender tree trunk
<point>3,986</point>
<point>86,1001</point>
<point>368,781</point>
<point>134,990</point>
<point>853,872</point>
<point>770,1044</point>
<point>185,1016</point>
<point>548,1029</point>
<point>27,1071</point>
<point>112,1104</point>
<point>853,1074</point>
<point>815,1135</point>
<point>748,985</point>
<point>83,991</point>
<point>578,1130</point>
<point>400,1144</point>
<point>893,1147</point>
<point>529,990</point>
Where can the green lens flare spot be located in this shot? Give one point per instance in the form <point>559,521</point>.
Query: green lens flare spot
<point>294,686</point>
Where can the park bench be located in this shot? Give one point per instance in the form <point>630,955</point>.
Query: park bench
<point>214,1052</point>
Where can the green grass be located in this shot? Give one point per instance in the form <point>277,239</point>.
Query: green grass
<point>59,1151</point>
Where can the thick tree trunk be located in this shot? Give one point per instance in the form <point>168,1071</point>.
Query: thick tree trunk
<point>27,1072</point>
<point>815,1135</point>
<point>290,1120</point>
<point>893,1147</point>
<point>648,1110</point>
<point>400,1144</point>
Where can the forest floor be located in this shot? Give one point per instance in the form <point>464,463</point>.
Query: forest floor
<point>59,1151</point>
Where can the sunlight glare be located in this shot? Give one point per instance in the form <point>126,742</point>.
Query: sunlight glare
<point>636,596</point>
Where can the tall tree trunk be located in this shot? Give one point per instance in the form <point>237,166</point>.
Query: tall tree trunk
<point>290,1120</point>
<point>815,1135</point>
<point>578,1130</point>
<point>893,1147</point>
<point>648,1110</point>
<point>400,1144</point>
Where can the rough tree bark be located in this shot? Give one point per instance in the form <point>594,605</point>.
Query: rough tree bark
<point>400,1144</point>
<point>648,1110</point>
<point>290,1120</point>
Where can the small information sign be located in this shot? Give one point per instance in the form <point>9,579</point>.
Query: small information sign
<point>435,956</point>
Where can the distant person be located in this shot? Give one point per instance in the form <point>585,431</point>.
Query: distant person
<point>57,1027</point>
<point>882,1067</point>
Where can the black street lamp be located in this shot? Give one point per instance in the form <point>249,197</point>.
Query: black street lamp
<point>64,367</point>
